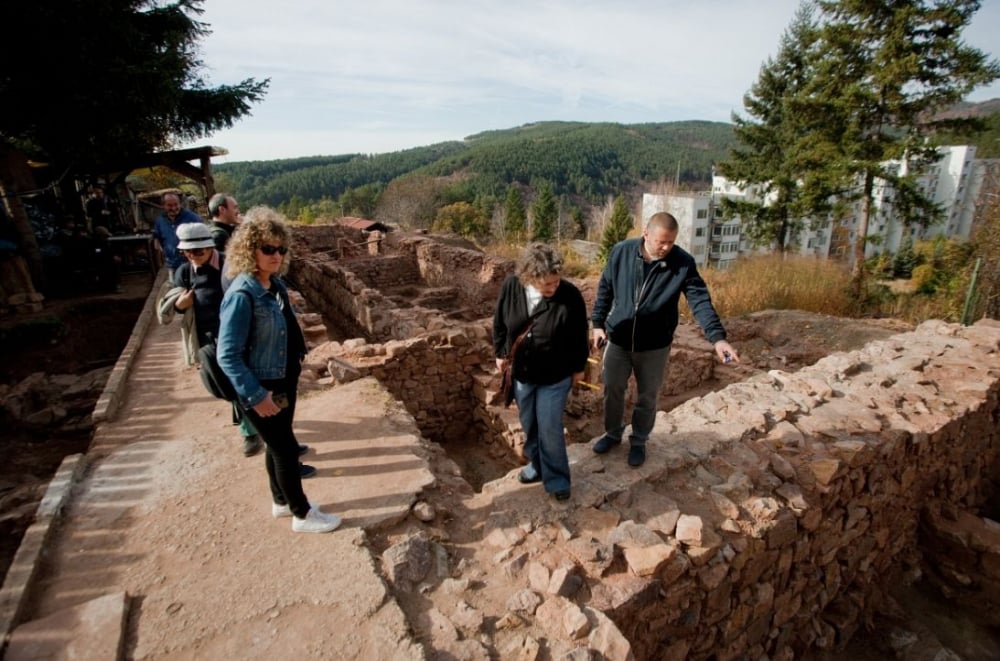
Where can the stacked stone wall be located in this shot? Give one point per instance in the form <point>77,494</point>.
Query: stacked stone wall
<point>476,276</point>
<point>430,374</point>
<point>349,305</point>
<point>795,500</point>
<point>387,272</point>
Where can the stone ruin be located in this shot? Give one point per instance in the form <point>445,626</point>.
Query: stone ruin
<point>772,517</point>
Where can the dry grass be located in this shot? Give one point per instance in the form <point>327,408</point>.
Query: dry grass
<point>773,282</point>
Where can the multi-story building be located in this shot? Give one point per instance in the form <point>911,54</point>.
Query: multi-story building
<point>693,212</point>
<point>957,183</point>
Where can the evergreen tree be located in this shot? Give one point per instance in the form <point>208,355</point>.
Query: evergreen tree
<point>619,226</point>
<point>764,158</point>
<point>461,218</point>
<point>105,80</point>
<point>544,214</point>
<point>905,260</point>
<point>578,222</point>
<point>883,70</point>
<point>515,219</point>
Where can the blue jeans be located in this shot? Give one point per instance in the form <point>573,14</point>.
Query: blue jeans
<point>649,367</point>
<point>541,411</point>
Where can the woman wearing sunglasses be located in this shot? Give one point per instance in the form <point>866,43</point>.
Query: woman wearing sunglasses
<point>260,349</point>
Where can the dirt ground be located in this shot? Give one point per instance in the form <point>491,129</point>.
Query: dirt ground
<point>70,335</point>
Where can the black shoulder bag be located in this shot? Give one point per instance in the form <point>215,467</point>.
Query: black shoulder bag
<point>212,377</point>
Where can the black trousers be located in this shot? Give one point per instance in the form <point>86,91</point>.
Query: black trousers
<point>282,455</point>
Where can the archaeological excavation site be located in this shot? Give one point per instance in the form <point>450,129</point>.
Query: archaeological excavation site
<point>784,510</point>
<point>832,496</point>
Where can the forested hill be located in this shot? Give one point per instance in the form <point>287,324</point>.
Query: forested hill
<point>587,161</point>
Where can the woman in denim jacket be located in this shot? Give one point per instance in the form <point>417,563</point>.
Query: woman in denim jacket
<point>260,349</point>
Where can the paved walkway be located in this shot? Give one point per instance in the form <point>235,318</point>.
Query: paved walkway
<point>166,548</point>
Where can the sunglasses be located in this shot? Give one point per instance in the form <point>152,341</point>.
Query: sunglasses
<point>270,250</point>
<point>197,252</point>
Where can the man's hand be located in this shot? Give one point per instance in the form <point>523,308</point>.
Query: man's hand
<point>726,353</point>
<point>598,338</point>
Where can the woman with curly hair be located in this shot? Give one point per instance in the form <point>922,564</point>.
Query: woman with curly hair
<point>260,349</point>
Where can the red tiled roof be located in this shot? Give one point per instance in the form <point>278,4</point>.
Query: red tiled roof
<point>357,223</point>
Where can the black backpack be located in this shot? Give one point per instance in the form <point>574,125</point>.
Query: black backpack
<point>214,379</point>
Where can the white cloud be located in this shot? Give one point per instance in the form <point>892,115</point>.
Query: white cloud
<point>384,75</point>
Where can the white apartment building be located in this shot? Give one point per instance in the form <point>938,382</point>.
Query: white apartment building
<point>955,183</point>
<point>693,212</point>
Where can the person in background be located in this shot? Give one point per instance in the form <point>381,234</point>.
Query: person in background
<point>551,358</point>
<point>635,315</point>
<point>225,212</point>
<point>261,348</point>
<point>100,211</point>
<point>165,231</point>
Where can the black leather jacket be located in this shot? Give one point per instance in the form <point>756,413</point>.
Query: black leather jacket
<point>556,347</point>
<point>639,312</point>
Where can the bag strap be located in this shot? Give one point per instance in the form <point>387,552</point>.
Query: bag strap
<point>520,338</point>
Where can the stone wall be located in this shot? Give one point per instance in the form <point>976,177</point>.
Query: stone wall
<point>476,275</point>
<point>387,272</point>
<point>430,374</point>
<point>796,498</point>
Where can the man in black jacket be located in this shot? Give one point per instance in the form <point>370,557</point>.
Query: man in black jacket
<point>225,212</point>
<point>635,314</point>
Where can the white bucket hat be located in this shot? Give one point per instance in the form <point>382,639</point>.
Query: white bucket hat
<point>194,235</point>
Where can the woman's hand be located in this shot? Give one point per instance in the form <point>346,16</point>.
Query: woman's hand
<point>185,300</point>
<point>267,407</point>
<point>500,363</point>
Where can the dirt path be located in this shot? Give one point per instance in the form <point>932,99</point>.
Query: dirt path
<point>173,515</point>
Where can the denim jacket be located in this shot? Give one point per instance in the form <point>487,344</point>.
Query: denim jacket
<point>249,360</point>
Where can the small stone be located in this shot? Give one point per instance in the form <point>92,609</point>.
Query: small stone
<point>424,511</point>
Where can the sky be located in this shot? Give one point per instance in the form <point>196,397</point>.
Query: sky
<point>386,75</point>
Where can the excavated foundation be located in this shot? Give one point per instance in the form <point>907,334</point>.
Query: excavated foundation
<point>771,517</point>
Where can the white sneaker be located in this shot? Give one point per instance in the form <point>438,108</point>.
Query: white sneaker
<point>280,511</point>
<point>315,521</point>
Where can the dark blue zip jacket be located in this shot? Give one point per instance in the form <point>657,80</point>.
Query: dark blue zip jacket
<point>641,314</point>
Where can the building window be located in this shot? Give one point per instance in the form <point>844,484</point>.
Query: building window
<point>699,231</point>
<point>698,249</point>
<point>702,213</point>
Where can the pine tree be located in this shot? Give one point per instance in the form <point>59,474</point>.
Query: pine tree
<point>619,226</point>
<point>883,70</point>
<point>515,219</point>
<point>544,213</point>
<point>107,81</point>
<point>765,157</point>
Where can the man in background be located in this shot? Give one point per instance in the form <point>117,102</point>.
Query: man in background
<point>165,231</point>
<point>225,212</point>
<point>100,211</point>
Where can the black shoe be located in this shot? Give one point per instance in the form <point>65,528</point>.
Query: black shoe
<point>252,445</point>
<point>305,470</point>
<point>636,456</point>
<point>562,495</point>
<point>303,449</point>
<point>523,479</point>
<point>605,443</point>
